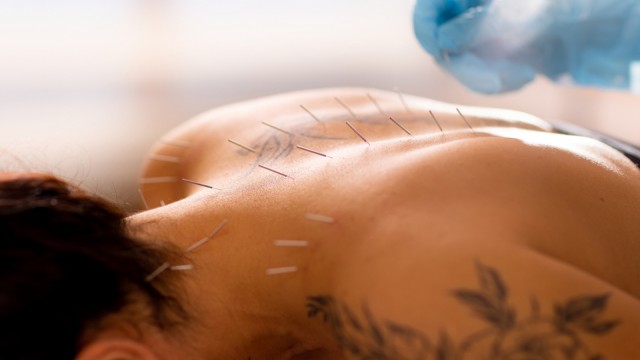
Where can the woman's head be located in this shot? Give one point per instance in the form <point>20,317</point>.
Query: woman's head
<point>68,269</point>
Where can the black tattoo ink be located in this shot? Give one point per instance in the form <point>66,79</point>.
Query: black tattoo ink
<point>490,303</point>
<point>368,339</point>
<point>505,337</point>
<point>271,147</point>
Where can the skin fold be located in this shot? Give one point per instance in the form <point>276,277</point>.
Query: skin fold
<point>489,205</point>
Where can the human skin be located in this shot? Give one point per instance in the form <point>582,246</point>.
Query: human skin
<point>416,219</point>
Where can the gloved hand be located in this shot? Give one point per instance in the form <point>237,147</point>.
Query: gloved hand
<point>500,45</point>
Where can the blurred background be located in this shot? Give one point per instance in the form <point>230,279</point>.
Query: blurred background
<point>87,86</point>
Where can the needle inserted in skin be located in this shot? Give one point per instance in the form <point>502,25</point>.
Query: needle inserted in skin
<point>175,142</point>
<point>182,267</point>
<point>200,184</point>
<point>242,146</point>
<point>310,113</point>
<point>353,115</point>
<point>158,180</point>
<point>319,218</point>
<point>357,132</point>
<point>144,201</point>
<point>206,239</point>
<point>375,103</point>
<point>165,158</point>
<point>436,121</point>
<point>404,103</point>
<point>281,270</point>
<point>162,203</point>
<point>277,128</point>
<point>465,120</point>
<point>157,272</point>
<point>400,126</point>
<point>291,243</point>
<point>311,151</point>
<point>274,171</point>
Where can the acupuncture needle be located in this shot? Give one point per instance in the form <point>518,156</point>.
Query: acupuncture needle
<point>357,133</point>
<point>277,128</point>
<point>404,102</point>
<point>312,151</point>
<point>242,146</point>
<point>204,240</point>
<point>281,270</point>
<point>310,113</point>
<point>157,271</point>
<point>400,126</point>
<point>291,243</point>
<point>346,107</point>
<point>465,120</point>
<point>165,158</point>
<point>375,102</point>
<point>274,171</point>
<point>319,218</point>
<point>436,121</point>
<point>158,180</point>
<point>200,184</point>
<point>144,201</point>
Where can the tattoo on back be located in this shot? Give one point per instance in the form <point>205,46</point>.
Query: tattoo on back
<point>506,335</point>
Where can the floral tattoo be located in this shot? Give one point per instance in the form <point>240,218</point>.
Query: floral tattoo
<point>506,336</point>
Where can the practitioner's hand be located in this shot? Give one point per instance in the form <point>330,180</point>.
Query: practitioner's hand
<point>500,45</point>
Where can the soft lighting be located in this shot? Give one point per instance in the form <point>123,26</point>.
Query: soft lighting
<point>521,20</point>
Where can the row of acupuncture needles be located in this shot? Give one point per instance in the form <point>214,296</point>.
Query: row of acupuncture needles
<point>281,243</point>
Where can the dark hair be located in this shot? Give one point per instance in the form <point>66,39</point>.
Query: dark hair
<point>66,262</point>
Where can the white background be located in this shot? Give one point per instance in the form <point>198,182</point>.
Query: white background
<point>86,86</point>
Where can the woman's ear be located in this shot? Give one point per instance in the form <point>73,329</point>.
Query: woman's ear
<point>116,349</point>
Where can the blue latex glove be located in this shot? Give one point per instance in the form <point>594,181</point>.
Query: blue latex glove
<point>494,46</point>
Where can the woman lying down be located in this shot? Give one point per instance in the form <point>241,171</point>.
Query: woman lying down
<point>334,224</point>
